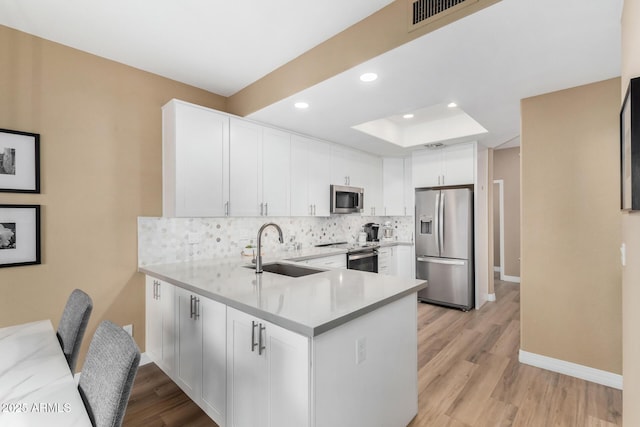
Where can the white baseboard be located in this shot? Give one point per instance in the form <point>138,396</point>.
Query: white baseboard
<point>514,279</point>
<point>496,269</point>
<point>597,376</point>
<point>491,297</point>
<point>144,359</point>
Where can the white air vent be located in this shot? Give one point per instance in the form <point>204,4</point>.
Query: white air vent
<point>424,11</point>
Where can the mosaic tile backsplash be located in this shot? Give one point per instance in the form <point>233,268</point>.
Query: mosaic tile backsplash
<point>167,240</point>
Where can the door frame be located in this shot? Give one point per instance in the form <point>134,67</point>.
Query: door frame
<point>500,183</point>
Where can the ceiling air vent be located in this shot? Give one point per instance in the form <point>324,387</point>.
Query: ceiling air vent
<point>424,11</point>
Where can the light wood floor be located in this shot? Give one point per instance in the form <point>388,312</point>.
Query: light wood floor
<point>469,375</point>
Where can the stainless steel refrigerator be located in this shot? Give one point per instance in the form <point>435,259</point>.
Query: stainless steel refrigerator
<point>444,245</point>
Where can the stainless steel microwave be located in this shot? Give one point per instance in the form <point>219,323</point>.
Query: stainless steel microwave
<point>346,199</point>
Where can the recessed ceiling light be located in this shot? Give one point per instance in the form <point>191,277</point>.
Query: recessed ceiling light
<point>368,77</point>
<point>452,105</point>
<point>301,105</point>
<point>408,116</point>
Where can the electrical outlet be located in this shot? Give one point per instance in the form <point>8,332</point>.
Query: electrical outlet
<point>361,350</point>
<point>128,329</point>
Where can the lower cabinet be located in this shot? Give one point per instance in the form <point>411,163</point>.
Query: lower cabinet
<point>405,261</point>
<point>332,261</point>
<point>159,323</point>
<point>200,351</point>
<point>268,374</point>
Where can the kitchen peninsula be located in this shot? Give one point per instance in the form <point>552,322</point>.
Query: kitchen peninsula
<point>333,348</point>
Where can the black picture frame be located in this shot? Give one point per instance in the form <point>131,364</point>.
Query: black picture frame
<point>19,235</point>
<point>630,148</point>
<point>19,161</point>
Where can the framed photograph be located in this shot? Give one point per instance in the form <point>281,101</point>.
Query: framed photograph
<point>19,161</point>
<point>19,235</point>
<point>630,148</point>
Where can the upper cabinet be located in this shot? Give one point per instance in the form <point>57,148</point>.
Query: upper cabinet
<point>398,192</point>
<point>450,165</point>
<point>310,177</point>
<point>259,160</point>
<point>195,169</point>
<point>357,169</point>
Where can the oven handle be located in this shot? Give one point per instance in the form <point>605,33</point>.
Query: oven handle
<point>357,257</point>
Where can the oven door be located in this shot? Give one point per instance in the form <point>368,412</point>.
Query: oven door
<point>363,261</point>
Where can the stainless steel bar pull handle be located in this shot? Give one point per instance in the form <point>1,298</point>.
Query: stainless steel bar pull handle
<point>191,308</point>
<point>261,346</point>
<point>196,308</point>
<point>159,290</point>
<point>266,209</point>
<point>254,324</point>
<point>226,209</point>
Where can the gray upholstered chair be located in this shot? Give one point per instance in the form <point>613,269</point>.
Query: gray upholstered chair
<point>108,373</point>
<point>73,324</point>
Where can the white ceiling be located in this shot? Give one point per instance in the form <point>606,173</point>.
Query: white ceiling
<point>218,45</point>
<point>485,63</point>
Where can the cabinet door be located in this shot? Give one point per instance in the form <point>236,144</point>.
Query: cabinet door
<point>213,316</point>
<point>427,168</point>
<point>288,378</point>
<point>458,164</point>
<point>300,204</point>
<point>153,321</point>
<point>409,190</point>
<point>393,187</point>
<point>342,165</point>
<point>188,373</point>
<point>160,335</point>
<point>276,163</point>
<point>405,262</point>
<point>319,176</point>
<point>372,167</point>
<point>246,377</point>
<point>195,161</point>
<point>245,168</point>
<point>384,261</point>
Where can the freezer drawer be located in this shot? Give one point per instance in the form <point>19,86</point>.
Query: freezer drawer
<point>450,281</point>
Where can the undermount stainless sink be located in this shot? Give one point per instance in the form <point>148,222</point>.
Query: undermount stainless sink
<point>287,269</point>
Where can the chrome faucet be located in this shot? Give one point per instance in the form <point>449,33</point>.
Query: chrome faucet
<point>259,254</point>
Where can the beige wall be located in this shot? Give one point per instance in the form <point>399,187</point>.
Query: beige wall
<point>100,127</point>
<point>570,292</point>
<point>631,238</point>
<point>506,166</point>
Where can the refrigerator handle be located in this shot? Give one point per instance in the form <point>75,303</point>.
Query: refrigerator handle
<point>436,220</point>
<point>440,261</point>
<point>441,223</point>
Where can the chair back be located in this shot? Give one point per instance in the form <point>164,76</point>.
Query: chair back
<point>108,374</point>
<point>73,324</point>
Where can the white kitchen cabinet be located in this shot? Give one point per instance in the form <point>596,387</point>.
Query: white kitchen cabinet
<point>450,165</point>
<point>332,261</point>
<point>159,324</point>
<point>373,200</point>
<point>245,165</point>
<point>310,177</point>
<point>276,176</point>
<point>404,259</point>
<point>259,170</point>
<point>393,186</point>
<point>398,188</point>
<point>386,261</point>
<point>409,190</point>
<point>195,161</point>
<point>268,374</point>
<point>201,352</point>
<point>347,167</point>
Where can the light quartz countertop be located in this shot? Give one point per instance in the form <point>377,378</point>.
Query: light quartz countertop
<point>308,305</point>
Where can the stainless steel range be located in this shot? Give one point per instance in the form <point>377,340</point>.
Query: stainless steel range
<point>359,257</point>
